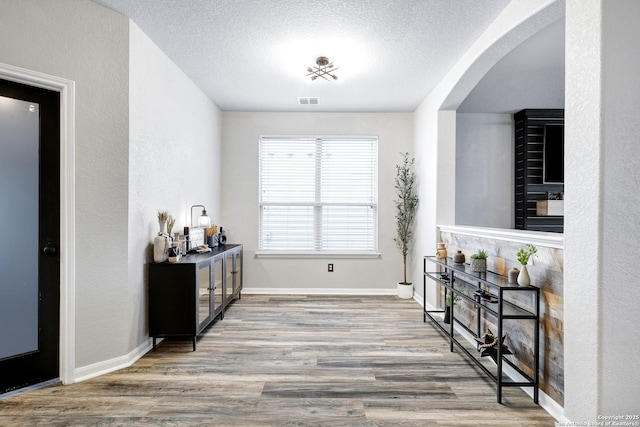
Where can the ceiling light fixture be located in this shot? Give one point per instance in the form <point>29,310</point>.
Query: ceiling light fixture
<point>322,69</point>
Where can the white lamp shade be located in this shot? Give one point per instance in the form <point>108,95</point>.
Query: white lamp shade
<point>204,220</point>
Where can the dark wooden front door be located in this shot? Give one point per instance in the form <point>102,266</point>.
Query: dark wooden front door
<point>30,236</point>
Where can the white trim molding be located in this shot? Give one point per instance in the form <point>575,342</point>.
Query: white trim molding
<point>66,88</point>
<point>536,238</point>
<point>317,291</point>
<point>316,254</point>
<point>95,370</point>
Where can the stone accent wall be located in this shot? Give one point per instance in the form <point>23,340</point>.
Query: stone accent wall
<point>546,271</point>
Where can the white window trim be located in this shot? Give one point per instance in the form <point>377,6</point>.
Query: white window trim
<point>317,254</point>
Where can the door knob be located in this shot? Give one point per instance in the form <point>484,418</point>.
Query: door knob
<point>49,250</point>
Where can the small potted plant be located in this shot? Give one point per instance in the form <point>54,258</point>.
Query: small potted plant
<point>479,261</point>
<point>523,256</point>
<point>406,202</point>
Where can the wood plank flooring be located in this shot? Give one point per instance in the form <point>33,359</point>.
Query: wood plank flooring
<point>290,361</point>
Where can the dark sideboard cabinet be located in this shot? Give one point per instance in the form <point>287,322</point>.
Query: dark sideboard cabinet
<point>539,169</point>
<point>186,296</point>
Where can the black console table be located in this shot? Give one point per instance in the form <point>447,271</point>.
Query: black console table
<point>491,297</point>
<point>186,296</point>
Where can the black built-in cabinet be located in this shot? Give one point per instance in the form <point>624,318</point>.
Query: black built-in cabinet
<point>186,296</point>
<point>529,126</point>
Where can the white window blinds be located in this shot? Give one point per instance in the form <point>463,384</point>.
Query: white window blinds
<point>318,194</point>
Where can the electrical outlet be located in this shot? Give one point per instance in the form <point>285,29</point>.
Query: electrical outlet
<point>330,268</point>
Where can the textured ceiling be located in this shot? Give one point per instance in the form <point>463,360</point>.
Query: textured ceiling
<point>252,55</point>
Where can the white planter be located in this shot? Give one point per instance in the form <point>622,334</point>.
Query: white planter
<point>405,291</point>
<point>523,277</point>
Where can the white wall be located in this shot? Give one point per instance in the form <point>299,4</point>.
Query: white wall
<point>174,159</point>
<point>484,170</point>
<point>621,208</point>
<point>88,44</point>
<point>435,118</point>
<point>240,200</point>
<point>602,375</point>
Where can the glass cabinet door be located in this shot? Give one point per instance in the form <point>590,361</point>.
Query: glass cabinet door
<point>233,273</point>
<point>217,280</point>
<point>229,276</point>
<point>204,293</point>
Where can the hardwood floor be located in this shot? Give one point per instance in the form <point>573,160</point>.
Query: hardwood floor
<point>290,361</point>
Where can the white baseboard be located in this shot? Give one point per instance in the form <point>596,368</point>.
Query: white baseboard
<point>104,367</point>
<point>317,291</point>
<point>418,299</point>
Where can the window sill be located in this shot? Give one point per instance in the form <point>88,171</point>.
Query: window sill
<point>317,254</point>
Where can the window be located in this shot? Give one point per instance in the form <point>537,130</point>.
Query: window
<point>318,194</point>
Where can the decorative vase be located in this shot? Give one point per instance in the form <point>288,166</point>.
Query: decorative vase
<point>458,257</point>
<point>523,277</point>
<point>478,265</point>
<point>161,243</point>
<point>161,247</point>
<point>447,314</point>
<point>174,252</point>
<point>513,275</point>
<point>405,290</point>
<point>442,251</point>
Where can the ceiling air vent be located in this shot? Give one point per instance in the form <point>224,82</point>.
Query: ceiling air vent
<point>308,101</point>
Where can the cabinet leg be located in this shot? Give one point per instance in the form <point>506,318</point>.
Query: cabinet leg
<point>194,343</point>
<point>154,343</point>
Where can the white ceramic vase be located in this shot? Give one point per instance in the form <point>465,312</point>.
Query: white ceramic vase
<point>161,244</point>
<point>405,291</point>
<point>523,277</point>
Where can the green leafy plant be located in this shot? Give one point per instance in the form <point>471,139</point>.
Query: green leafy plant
<point>447,301</point>
<point>524,254</point>
<point>481,254</point>
<point>406,203</point>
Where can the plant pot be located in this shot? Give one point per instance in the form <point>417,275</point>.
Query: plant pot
<point>478,265</point>
<point>447,315</point>
<point>405,290</point>
<point>523,277</point>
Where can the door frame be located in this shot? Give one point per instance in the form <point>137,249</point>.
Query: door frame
<point>66,88</point>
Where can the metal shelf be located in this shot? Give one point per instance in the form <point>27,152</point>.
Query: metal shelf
<point>504,305</point>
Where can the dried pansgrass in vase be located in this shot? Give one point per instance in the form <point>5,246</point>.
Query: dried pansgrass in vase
<point>212,231</point>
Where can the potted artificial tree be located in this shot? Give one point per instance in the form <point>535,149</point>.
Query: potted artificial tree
<point>406,203</point>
